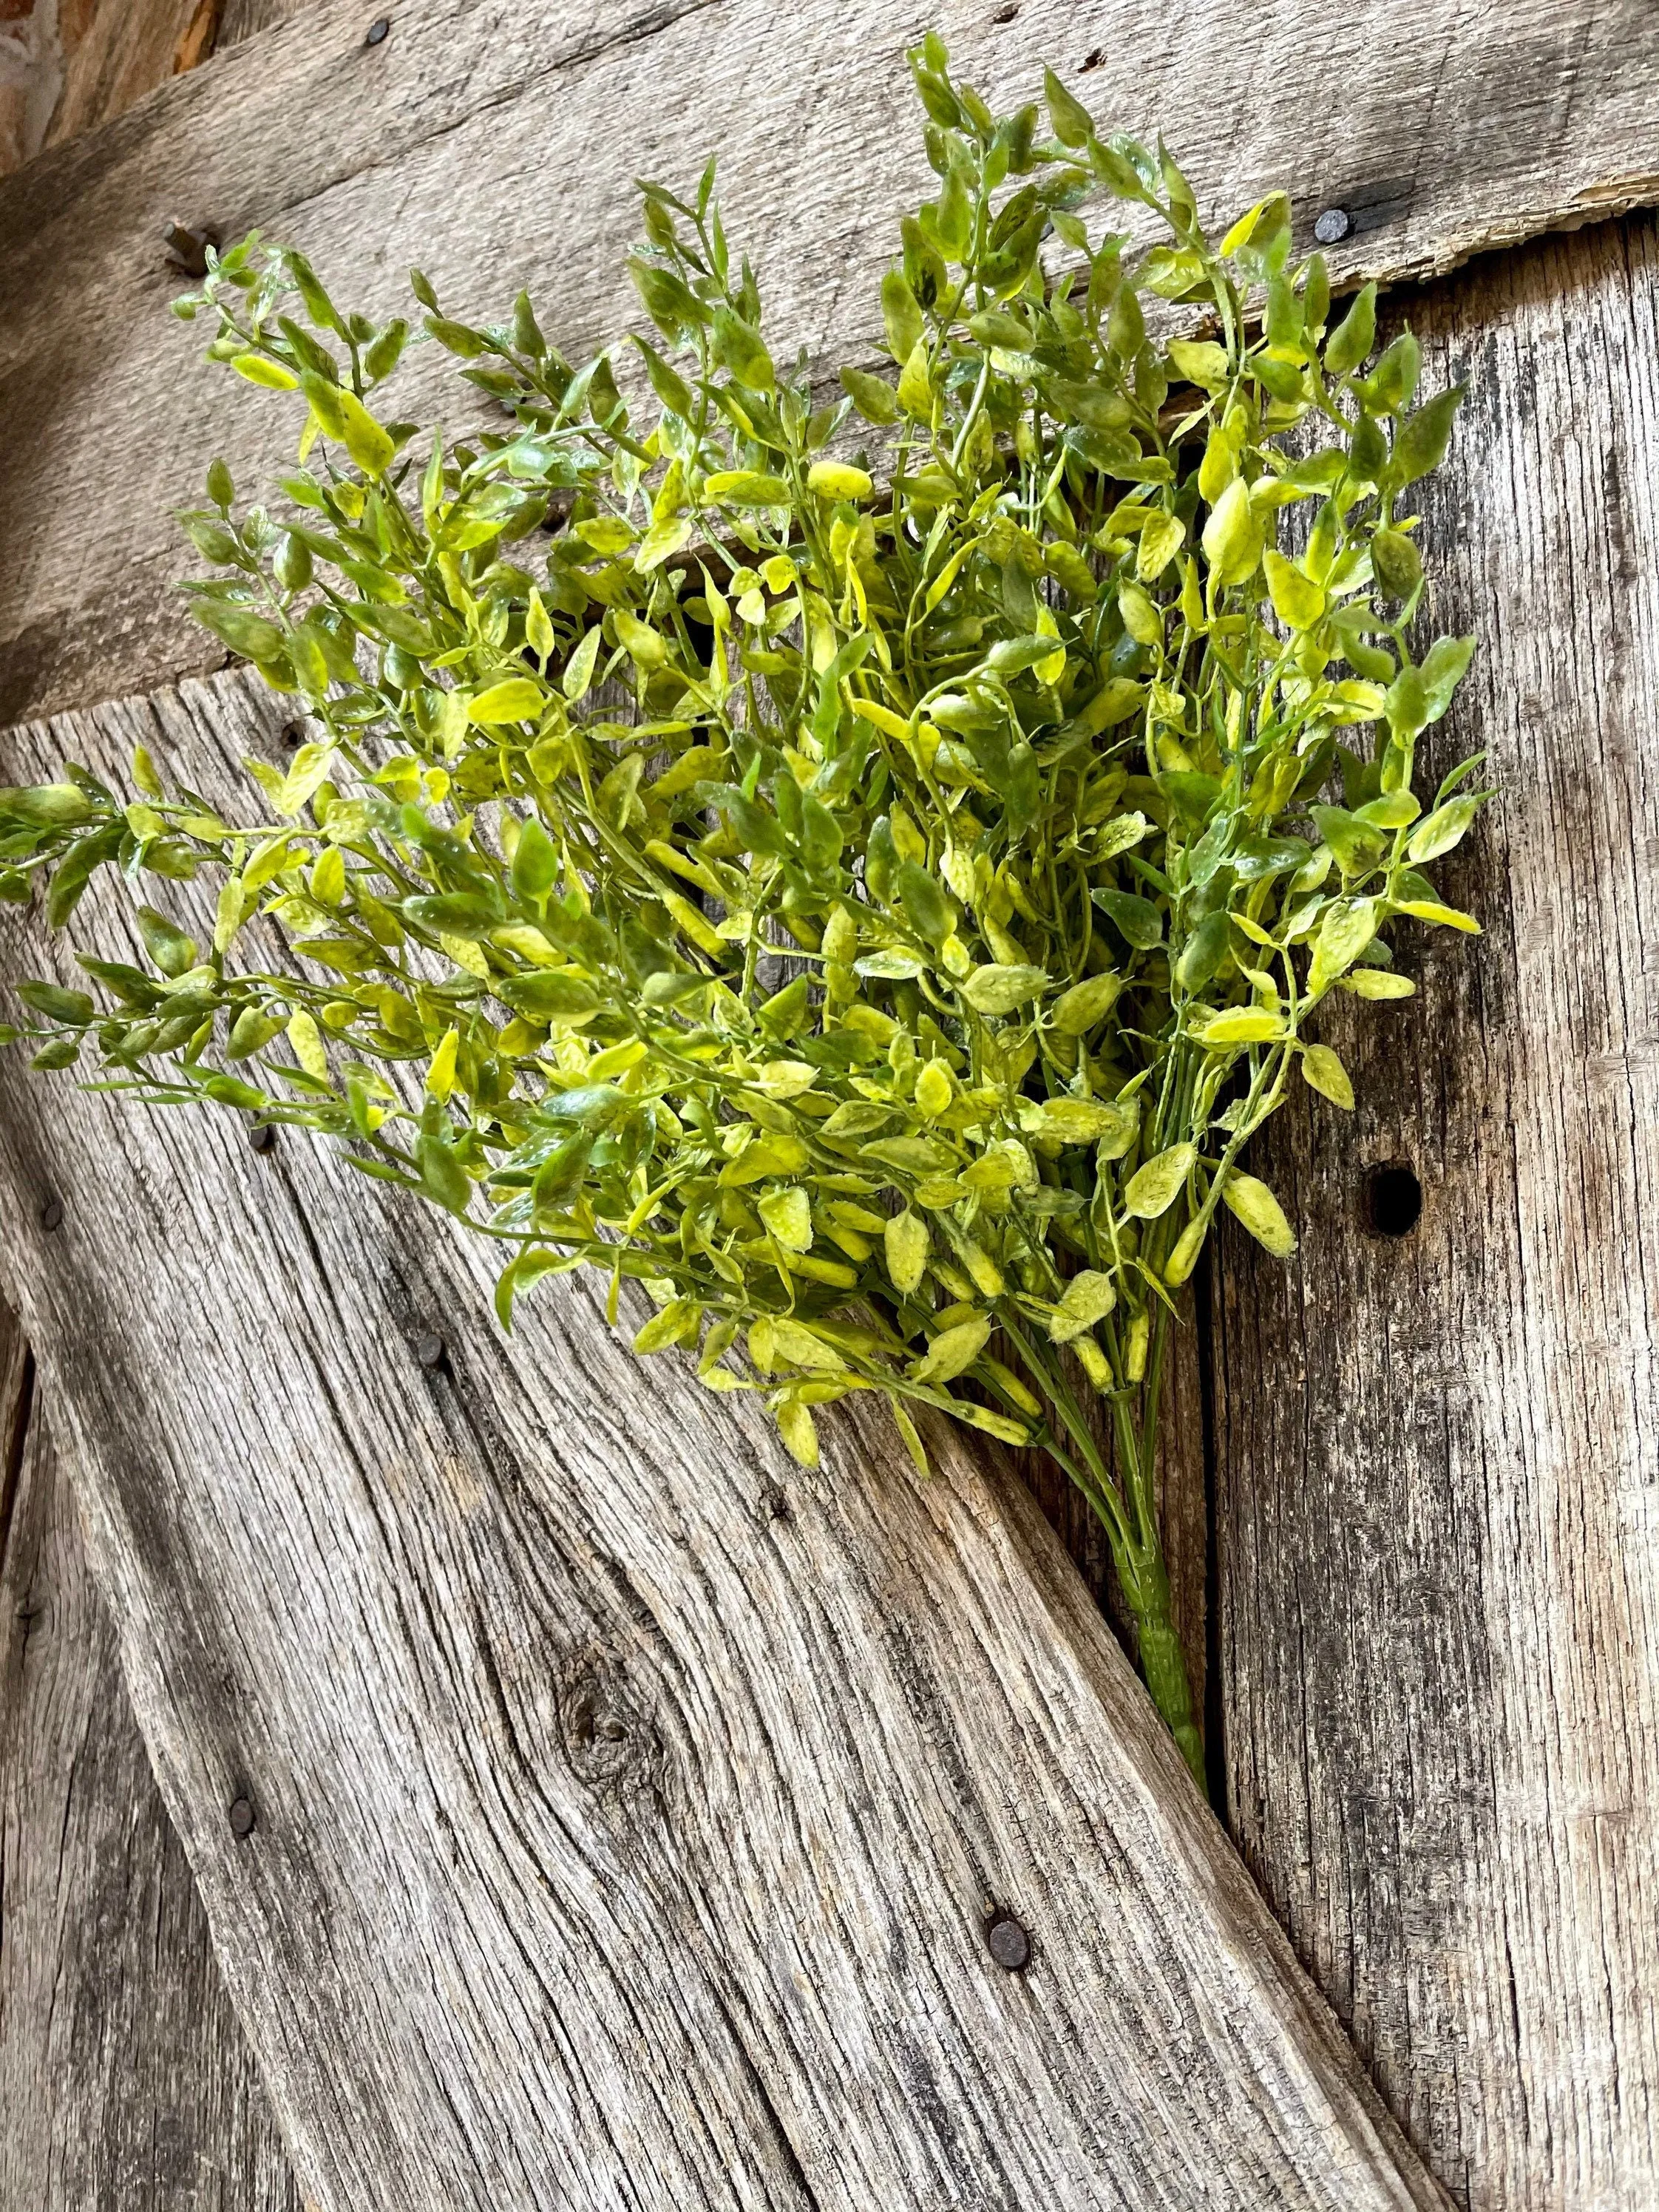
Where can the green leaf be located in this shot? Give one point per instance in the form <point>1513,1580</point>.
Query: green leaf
<point>57,1005</point>
<point>1346,931</point>
<point>1397,564</point>
<point>875,399</point>
<point>1069,118</point>
<point>1153,1187</point>
<point>1089,1297</point>
<point>1254,1204</point>
<point>1322,1071</point>
<point>1446,827</point>
<point>1232,536</point>
<point>1100,1121</point>
<point>535,862</point>
<point>1354,335</point>
<point>1136,918</point>
<point>900,317</point>
<point>167,945</point>
<point>1297,601</point>
<point>550,995</point>
<point>47,806</point>
<point>737,347</point>
<point>906,1241</point>
<point>445,1180</point>
<point>1423,438</point>
<point>953,1351</point>
<point>1076,1012</point>
<point>996,988</point>
<point>787,1215</point>
<point>517,700</point>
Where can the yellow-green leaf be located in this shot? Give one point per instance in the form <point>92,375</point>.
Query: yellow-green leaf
<point>269,373</point>
<point>1297,601</point>
<point>1260,1213</point>
<point>996,988</point>
<point>441,1070</point>
<point>796,1427</point>
<point>908,1243</point>
<point>517,700</point>
<point>788,1216</point>
<point>1378,983</point>
<point>365,440</point>
<point>1077,1010</point>
<point>1232,539</point>
<point>915,393</point>
<point>1161,539</point>
<point>1241,1025</point>
<point>953,1351</point>
<point>306,1040</point>
<point>643,643</point>
<point>1089,1297</point>
<point>1202,361</point>
<point>1156,1184</point>
<point>1184,1258</point>
<point>1324,1071</point>
<point>839,480</point>
<point>1448,917</point>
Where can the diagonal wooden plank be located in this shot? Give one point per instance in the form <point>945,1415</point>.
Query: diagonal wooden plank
<point>1438,1551</point>
<point>496,145</point>
<point>630,1804</point>
<point>125,2079</point>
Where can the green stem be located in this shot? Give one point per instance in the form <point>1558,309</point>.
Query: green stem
<point>1162,1660</point>
<point>1136,1545</point>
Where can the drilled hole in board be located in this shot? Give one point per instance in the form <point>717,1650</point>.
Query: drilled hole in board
<point>1392,1200</point>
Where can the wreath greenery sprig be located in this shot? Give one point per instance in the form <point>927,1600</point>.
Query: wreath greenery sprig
<point>869,899</point>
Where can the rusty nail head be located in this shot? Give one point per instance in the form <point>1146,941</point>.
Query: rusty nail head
<point>262,1137</point>
<point>377,30</point>
<point>1334,225</point>
<point>1009,1944</point>
<point>241,1816</point>
<point>430,1351</point>
<point>187,247</point>
<point>51,1214</point>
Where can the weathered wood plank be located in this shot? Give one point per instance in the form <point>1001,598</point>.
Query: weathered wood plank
<point>125,2079</point>
<point>630,1804</point>
<point>497,146</point>
<point>116,52</point>
<point>1437,1456</point>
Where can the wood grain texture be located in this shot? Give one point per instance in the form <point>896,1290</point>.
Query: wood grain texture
<point>125,2084</point>
<point>496,144</point>
<point>1437,1457</point>
<point>115,53</point>
<point>240,19</point>
<point>630,1804</point>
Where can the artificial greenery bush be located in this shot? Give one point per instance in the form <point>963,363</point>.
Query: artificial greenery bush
<point>870,901</point>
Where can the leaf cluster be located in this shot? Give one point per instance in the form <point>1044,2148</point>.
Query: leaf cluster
<point>861,864</point>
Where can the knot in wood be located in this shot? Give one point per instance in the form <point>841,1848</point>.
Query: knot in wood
<point>611,1743</point>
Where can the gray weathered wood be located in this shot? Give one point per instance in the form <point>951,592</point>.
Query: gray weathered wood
<point>496,146</point>
<point>630,1804</point>
<point>1438,1458</point>
<point>125,2079</point>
